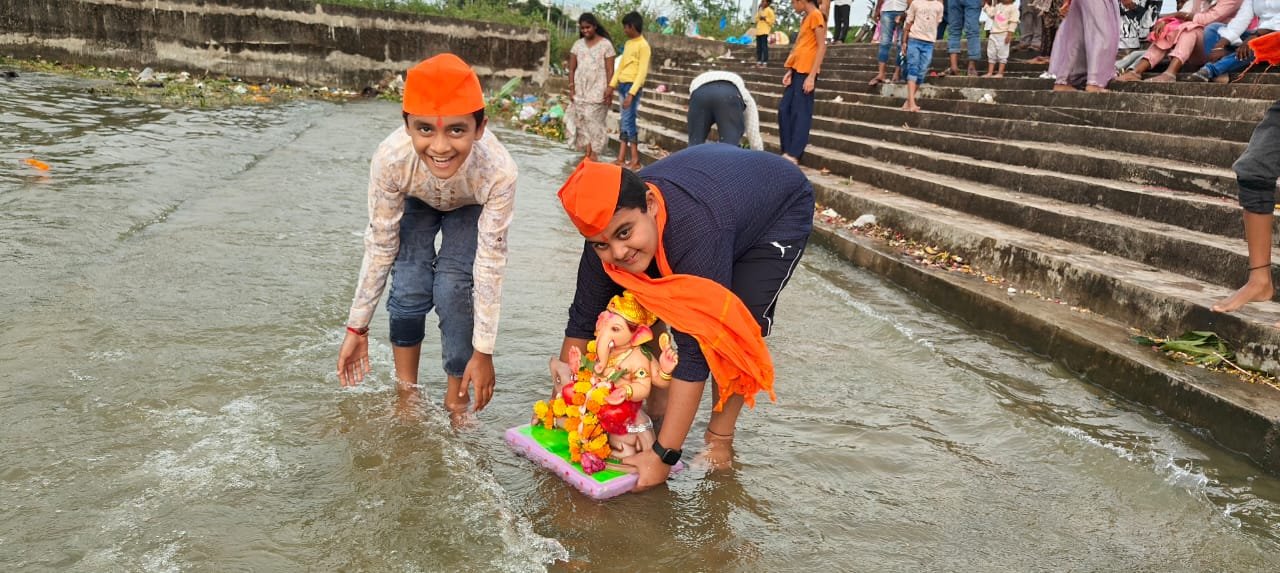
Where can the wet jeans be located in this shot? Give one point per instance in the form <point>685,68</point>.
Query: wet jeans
<point>627,130</point>
<point>962,16</point>
<point>422,279</point>
<point>888,29</point>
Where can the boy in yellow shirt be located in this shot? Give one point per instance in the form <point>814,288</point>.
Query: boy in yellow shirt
<point>633,66</point>
<point>765,19</point>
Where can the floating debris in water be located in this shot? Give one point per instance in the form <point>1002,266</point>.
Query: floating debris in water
<point>36,163</point>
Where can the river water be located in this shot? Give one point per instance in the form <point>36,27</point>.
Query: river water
<point>170,306</point>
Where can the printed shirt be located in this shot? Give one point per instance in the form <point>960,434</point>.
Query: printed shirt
<point>923,16</point>
<point>1003,17</point>
<point>488,178</point>
<point>805,51</point>
<point>633,65</point>
<point>716,211</point>
<point>765,18</point>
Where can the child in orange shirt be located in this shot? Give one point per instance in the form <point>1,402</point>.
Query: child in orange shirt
<point>795,113</point>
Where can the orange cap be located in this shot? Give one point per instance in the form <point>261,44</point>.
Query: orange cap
<point>590,196</point>
<point>442,85</point>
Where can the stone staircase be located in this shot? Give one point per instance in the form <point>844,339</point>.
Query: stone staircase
<point>1122,203</point>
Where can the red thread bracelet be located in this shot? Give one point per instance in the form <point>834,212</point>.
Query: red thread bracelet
<point>358,331</point>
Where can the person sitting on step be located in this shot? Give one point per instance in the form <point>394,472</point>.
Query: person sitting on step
<point>1178,36</point>
<point>1237,35</point>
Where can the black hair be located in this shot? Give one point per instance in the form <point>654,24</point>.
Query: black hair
<point>764,3</point>
<point>632,193</point>
<point>635,20</point>
<point>589,18</point>
<point>477,114</point>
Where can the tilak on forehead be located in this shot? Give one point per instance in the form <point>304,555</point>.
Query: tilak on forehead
<point>724,327</point>
<point>442,86</point>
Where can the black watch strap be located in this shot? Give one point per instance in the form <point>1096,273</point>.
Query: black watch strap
<point>669,457</point>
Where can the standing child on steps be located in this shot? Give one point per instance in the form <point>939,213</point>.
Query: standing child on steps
<point>633,66</point>
<point>795,112</point>
<point>923,17</point>
<point>1004,20</point>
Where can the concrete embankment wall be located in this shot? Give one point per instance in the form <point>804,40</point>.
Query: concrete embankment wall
<point>294,40</point>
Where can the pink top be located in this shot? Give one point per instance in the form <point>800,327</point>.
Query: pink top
<point>1221,11</point>
<point>923,17</point>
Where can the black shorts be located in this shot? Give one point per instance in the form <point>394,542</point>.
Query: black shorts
<point>762,272</point>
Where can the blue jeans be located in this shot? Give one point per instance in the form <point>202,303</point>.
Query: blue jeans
<point>422,279</point>
<point>1212,34</point>
<point>962,15</point>
<point>762,49</point>
<point>627,130</point>
<point>888,29</point>
<point>1229,64</point>
<point>919,55</point>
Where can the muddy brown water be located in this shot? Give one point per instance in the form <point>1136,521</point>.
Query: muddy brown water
<point>171,295</point>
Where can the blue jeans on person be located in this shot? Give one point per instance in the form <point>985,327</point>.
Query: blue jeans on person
<point>888,29</point>
<point>963,17</point>
<point>627,130</point>
<point>795,116</point>
<point>1212,34</point>
<point>919,55</point>
<point>1229,64</point>
<point>422,279</point>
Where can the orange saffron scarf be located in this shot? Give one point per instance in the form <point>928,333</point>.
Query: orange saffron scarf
<point>713,315</point>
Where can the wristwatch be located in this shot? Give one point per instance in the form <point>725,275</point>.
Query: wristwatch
<point>669,457</point>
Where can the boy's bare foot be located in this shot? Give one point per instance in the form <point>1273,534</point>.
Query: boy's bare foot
<point>998,76</point>
<point>876,81</point>
<point>408,403</point>
<point>988,75</point>
<point>634,166</point>
<point>972,71</point>
<point>719,453</point>
<point>791,159</point>
<point>1129,76</point>
<point>1259,290</point>
<point>1165,78</point>
<point>1222,79</point>
<point>620,162</point>
<point>910,107</point>
<point>1095,89</point>
<point>1064,88</point>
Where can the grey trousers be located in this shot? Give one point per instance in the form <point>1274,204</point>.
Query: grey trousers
<point>1259,166</point>
<point>716,103</point>
<point>1030,29</point>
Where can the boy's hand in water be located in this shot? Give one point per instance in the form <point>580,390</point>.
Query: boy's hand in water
<point>480,377</point>
<point>649,467</point>
<point>353,359</point>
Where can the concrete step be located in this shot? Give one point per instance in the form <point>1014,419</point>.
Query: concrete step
<point>1191,149</point>
<point>1244,111</point>
<point>1263,87</point>
<point>1141,295</point>
<point>1150,179</point>
<point>1205,257</point>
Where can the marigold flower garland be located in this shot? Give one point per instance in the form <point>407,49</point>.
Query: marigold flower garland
<point>575,410</point>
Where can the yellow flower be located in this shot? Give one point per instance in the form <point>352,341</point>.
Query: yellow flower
<point>540,408</point>
<point>558,407</point>
<point>589,419</point>
<point>591,347</point>
<point>597,442</point>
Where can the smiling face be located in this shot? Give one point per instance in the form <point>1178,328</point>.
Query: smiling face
<point>444,143</point>
<point>587,30</point>
<point>630,241</point>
